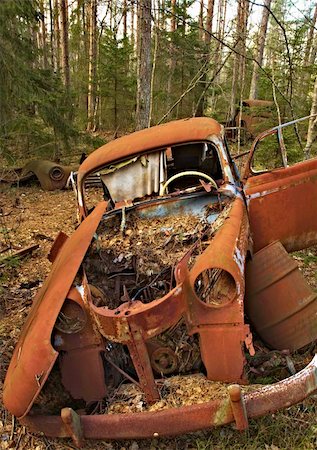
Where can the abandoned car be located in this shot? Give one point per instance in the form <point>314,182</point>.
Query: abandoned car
<point>165,286</point>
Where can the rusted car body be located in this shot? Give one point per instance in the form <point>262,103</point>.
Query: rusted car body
<point>252,118</point>
<point>253,114</point>
<point>50,175</point>
<point>112,300</point>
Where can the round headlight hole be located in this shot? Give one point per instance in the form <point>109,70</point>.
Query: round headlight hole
<point>215,287</point>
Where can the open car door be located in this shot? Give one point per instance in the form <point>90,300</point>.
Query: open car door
<point>281,201</point>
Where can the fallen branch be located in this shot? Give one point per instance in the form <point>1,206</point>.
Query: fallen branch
<point>20,253</point>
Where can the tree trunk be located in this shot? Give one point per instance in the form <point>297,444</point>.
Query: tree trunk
<point>220,34</point>
<point>239,58</point>
<point>43,35</point>
<point>124,16</point>
<point>217,52</point>
<point>64,43</point>
<point>312,123</point>
<point>173,19</point>
<point>210,15</point>
<point>92,28</point>
<point>260,49</point>
<point>144,65</point>
<point>171,64</point>
<point>57,37</point>
<point>310,37</point>
<point>51,33</point>
<point>156,41</point>
<point>201,20</point>
<point>201,109</point>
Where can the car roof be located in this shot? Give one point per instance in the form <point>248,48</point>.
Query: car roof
<point>160,136</point>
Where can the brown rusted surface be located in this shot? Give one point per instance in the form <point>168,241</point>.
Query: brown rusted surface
<point>58,243</point>
<point>73,426</point>
<point>281,206</point>
<point>50,175</point>
<point>166,135</point>
<point>281,201</point>
<point>29,369</point>
<point>81,348</point>
<point>279,302</point>
<point>253,117</point>
<point>238,407</point>
<point>171,422</point>
<point>220,324</point>
<point>124,325</point>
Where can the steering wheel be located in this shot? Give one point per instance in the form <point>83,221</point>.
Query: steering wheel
<point>185,174</point>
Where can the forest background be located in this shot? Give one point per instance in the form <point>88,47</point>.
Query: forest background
<point>75,73</point>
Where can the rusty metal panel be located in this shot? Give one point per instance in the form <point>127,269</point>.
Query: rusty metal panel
<point>83,373</point>
<point>282,206</point>
<point>80,347</point>
<point>28,368</point>
<point>50,175</point>
<point>279,302</point>
<point>142,176</point>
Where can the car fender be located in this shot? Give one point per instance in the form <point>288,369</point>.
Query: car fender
<point>34,355</point>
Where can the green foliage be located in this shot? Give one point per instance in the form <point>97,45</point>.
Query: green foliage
<point>117,80</point>
<point>11,262</point>
<point>32,100</point>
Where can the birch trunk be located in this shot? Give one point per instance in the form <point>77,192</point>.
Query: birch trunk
<point>308,49</point>
<point>312,123</point>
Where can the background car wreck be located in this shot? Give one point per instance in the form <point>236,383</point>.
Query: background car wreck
<point>104,314</point>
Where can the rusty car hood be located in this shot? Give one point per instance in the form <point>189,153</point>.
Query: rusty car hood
<point>34,355</point>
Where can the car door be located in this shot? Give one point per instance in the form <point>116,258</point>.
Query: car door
<point>281,201</point>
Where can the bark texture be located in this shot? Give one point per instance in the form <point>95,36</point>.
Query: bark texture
<point>64,43</point>
<point>92,29</point>
<point>144,65</point>
<point>260,49</point>
<point>239,58</point>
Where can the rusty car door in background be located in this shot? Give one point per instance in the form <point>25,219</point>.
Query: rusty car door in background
<point>281,201</point>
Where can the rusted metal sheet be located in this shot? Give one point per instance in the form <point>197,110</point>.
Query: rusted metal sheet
<point>165,135</point>
<point>280,201</point>
<point>142,176</point>
<point>81,348</point>
<point>220,323</point>
<point>50,175</point>
<point>263,400</point>
<point>281,206</point>
<point>29,369</point>
<point>58,243</point>
<point>279,302</point>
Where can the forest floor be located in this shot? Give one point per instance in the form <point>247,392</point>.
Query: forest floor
<point>30,216</point>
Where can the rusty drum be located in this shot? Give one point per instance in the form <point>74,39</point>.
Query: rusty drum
<point>279,302</point>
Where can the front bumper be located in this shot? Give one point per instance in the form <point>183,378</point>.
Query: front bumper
<point>238,407</point>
